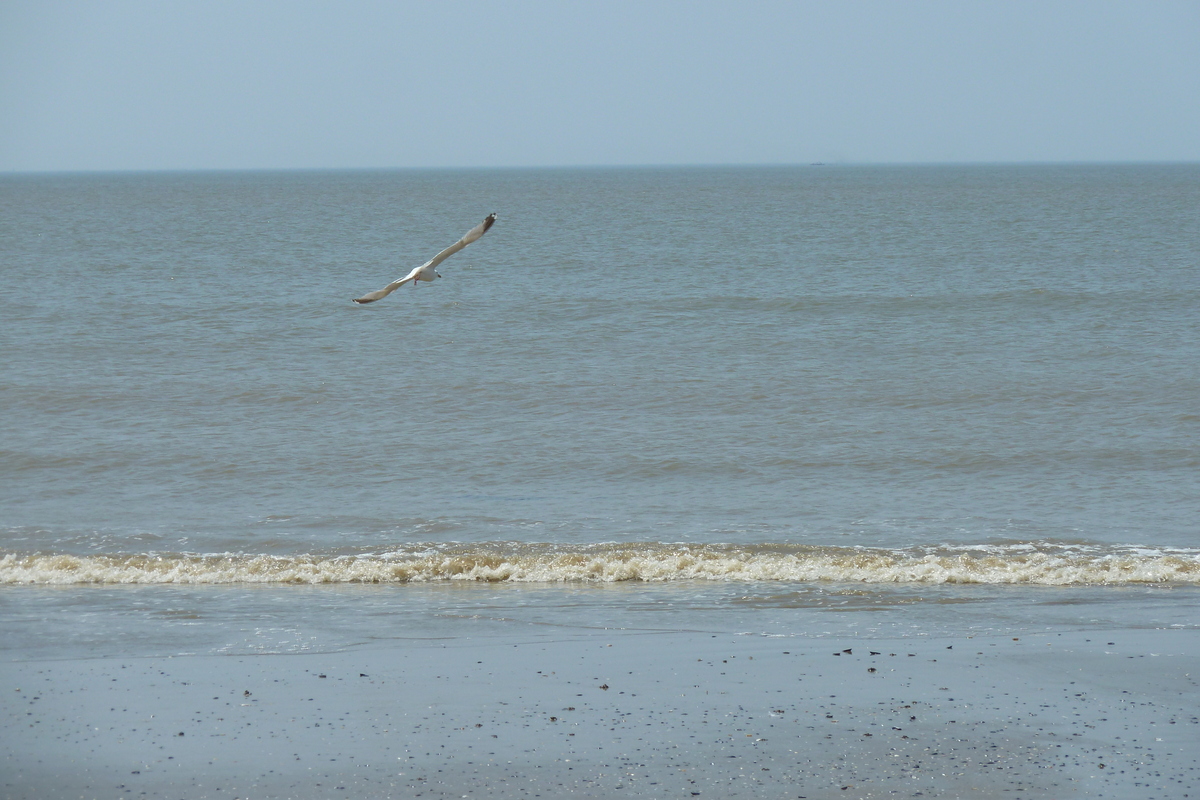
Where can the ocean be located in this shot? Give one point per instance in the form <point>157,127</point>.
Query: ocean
<point>785,401</point>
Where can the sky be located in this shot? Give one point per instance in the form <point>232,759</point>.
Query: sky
<point>294,84</point>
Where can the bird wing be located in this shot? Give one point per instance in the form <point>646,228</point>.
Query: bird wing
<point>379,294</point>
<point>470,236</point>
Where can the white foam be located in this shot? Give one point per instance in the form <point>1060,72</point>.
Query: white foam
<point>1036,564</point>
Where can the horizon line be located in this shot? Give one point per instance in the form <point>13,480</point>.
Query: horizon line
<point>630,166</point>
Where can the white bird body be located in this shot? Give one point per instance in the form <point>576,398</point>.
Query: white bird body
<point>428,271</point>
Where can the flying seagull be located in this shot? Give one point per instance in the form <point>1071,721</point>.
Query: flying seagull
<point>426,271</point>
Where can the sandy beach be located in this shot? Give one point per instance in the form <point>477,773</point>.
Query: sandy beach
<point>619,713</point>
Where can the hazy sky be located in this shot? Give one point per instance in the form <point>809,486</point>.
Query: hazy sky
<point>185,84</point>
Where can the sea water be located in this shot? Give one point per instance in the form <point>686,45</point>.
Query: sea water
<point>797,401</point>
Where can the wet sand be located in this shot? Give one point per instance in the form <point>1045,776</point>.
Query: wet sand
<point>619,714</point>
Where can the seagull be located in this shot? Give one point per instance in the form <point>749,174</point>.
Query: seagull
<point>426,271</point>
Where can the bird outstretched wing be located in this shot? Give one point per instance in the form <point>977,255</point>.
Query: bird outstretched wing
<point>470,236</point>
<point>379,294</point>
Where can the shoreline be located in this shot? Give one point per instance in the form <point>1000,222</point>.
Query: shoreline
<point>606,713</point>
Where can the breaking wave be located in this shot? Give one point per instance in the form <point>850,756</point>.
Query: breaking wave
<point>1015,563</point>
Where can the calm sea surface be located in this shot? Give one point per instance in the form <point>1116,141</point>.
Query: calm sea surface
<point>793,401</point>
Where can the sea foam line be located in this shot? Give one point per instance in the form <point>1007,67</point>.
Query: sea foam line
<point>1018,563</point>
